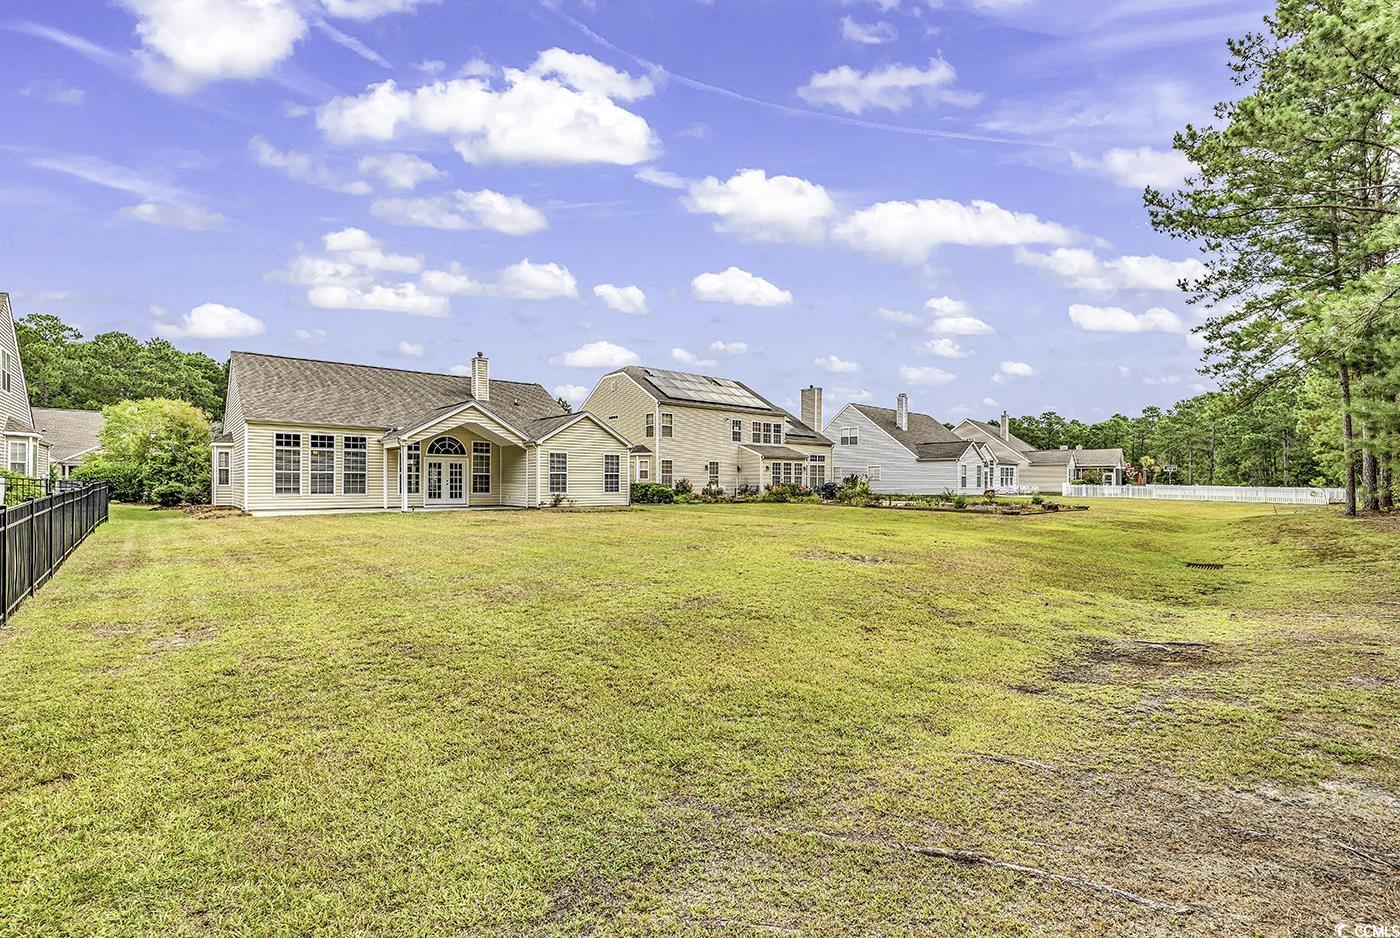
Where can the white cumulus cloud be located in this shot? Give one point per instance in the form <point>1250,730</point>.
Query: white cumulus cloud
<point>835,365</point>
<point>530,281</point>
<point>303,167</point>
<point>1082,269</point>
<point>1011,370</point>
<point>557,112</point>
<point>629,299</point>
<point>399,170</point>
<point>464,211</point>
<point>186,44</point>
<point>753,204</point>
<point>960,325</point>
<point>185,215</point>
<point>686,357</point>
<point>1139,167</point>
<point>945,306</point>
<point>896,315</point>
<point>909,231</point>
<point>867,34</point>
<point>729,348</point>
<point>601,354</point>
<point>412,349</point>
<point>944,348</point>
<point>212,321</point>
<point>389,298</point>
<point>890,88</point>
<point>575,394</point>
<point>738,286</point>
<point>925,375</point>
<point>1117,319</point>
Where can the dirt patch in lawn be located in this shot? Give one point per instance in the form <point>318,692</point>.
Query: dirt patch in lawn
<point>829,556</point>
<point>1117,660</point>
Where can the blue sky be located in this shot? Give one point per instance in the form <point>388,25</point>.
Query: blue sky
<point>871,195</point>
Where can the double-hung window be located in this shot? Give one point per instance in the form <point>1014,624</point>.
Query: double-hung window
<point>6,363</point>
<point>736,431</point>
<point>1008,476</point>
<point>668,427</point>
<point>286,464</point>
<point>850,436</point>
<point>643,470</point>
<point>757,432</point>
<point>962,477</point>
<point>558,473</point>
<point>712,472</point>
<point>651,424</point>
<point>19,455</point>
<point>612,473</point>
<point>666,473</point>
<point>356,468</point>
<point>223,467</point>
<point>481,467</point>
<point>322,464</point>
<point>415,468</point>
<point>816,470</point>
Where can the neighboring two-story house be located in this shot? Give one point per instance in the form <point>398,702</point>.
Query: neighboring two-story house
<point>26,451</point>
<point>711,431</point>
<point>902,452</point>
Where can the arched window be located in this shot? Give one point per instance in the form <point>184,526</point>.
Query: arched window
<point>446,446</point>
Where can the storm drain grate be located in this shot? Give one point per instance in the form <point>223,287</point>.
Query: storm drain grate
<point>1200,565</point>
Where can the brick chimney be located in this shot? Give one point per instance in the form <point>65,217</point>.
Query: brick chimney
<point>1005,427</point>
<point>481,378</point>
<point>812,407</point>
<point>901,412</point>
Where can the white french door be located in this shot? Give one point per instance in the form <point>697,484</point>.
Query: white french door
<point>444,481</point>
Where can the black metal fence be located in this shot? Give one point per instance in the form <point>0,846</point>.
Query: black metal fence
<point>37,535</point>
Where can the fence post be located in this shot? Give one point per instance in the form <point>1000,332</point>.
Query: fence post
<point>4,556</point>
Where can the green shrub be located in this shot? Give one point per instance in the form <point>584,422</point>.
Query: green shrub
<point>1037,499</point>
<point>683,487</point>
<point>685,498</point>
<point>854,488</point>
<point>959,501</point>
<point>783,492</point>
<point>175,493</point>
<point>151,444</point>
<point>713,493</point>
<point>652,493</point>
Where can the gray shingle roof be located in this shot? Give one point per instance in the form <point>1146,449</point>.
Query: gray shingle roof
<point>278,389</point>
<point>771,451</point>
<point>926,438</point>
<point>797,430</point>
<point>1084,458</point>
<point>69,432</point>
<point>1012,440</point>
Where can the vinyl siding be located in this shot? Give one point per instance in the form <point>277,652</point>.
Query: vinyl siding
<point>621,404</point>
<point>235,425</point>
<point>586,444</point>
<point>261,497</point>
<point>900,471</point>
<point>14,403</point>
<point>1044,478</point>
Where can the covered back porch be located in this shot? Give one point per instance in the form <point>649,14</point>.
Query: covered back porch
<point>464,457</point>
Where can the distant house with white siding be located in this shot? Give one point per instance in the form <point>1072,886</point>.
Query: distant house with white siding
<point>313,436</point>
<point>1021,465</point>
<point>900,451</point>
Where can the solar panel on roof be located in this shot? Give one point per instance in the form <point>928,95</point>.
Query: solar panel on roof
<point>689,387</point>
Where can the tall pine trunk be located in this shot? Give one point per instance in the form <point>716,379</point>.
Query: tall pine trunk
<point>1344,379</point>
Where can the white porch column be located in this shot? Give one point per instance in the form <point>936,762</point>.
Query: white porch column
<point>385,451</point>
<point>403,476</point>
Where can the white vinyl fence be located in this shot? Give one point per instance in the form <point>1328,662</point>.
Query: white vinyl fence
<point>1276,495</point>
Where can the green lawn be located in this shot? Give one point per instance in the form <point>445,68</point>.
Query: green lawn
<point>706,720</point>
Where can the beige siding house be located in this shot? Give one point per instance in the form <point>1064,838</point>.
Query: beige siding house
<point>1022,466</point>
<point>311,436</point>
<point>25,449</point>
<point>711,431</point>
